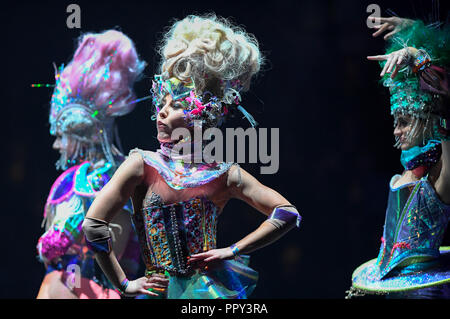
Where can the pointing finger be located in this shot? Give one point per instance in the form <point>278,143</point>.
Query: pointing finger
<point>377,57</point>
<point>381,30</point>
<point>379,19</point>
<point>390,34</point>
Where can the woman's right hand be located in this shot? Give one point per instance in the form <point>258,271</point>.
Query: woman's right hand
<point>395,60</point>
<point>142,285</point>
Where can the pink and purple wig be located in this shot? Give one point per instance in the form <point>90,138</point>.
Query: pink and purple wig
<point>95,87</point>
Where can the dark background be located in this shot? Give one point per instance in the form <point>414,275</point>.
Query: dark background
<point>336,154</point>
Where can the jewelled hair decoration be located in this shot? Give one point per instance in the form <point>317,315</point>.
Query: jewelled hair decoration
<point>93,89</point>
<point>207,107</point>
<point>62,101</point>
<point>68,112</point>
<point>408,98</point>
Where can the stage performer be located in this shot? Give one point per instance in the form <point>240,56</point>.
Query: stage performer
<point>90,92</point>
<point>206,64</point>
<point>411,263</point>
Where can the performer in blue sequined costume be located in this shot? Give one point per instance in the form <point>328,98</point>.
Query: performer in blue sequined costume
<point>90,91</point>
<point>206,64</point>
<point>411,262</point>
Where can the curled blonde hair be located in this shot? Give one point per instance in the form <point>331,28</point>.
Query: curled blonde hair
<point>209,50</point>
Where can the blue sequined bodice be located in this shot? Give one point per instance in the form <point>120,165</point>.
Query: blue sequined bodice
<point>415,223</point>
<point>169,234</point>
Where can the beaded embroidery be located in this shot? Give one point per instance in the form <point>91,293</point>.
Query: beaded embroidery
<point>169,234</point>
<point>409,256</point>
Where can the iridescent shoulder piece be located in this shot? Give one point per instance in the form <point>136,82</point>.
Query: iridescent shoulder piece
<point>63,187</point>
<point>88,184</point>
<point>77,180</point>
<point>180,175</point>
<point>82,186</point>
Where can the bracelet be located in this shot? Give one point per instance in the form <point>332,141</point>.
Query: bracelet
<point>123,287</point>
<point>234,249</point>
<point>422,60</point>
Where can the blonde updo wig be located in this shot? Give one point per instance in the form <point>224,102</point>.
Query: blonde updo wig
<point>209,50</point>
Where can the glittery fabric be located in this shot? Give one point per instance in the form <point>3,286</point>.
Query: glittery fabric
<point>62,188</point>
<point>426,155</point>
<point>169,234</point>
<point>174,232</point>
<point>76,180</point>
<point>409,256</point>
<point>436,275</point>
<point>433,292</point>
<point>68,201</point>
<point>64,231</point>
<point>180,175</point>
<point>229,279</point>
<point>407,98</point>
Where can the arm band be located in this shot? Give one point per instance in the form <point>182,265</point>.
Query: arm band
<point>285,216</point>
<point>97,235</point>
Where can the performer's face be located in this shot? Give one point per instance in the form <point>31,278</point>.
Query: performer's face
<point>170,117</point>
<point>64,143</point>
<point>402,131</point>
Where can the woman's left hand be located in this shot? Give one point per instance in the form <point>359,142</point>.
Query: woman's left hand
<point>203,259</point>
<point>392,24</point>
<point>397,59</point>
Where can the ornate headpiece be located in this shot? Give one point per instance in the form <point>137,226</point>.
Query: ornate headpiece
<point>67,109</point>
<point>410,94</point>
<point>205,106</point>
<point>93,89</point>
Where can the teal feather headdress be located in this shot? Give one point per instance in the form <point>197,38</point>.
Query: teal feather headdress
<point>406,96</point>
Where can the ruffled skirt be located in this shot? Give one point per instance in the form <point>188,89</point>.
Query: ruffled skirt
<point>365,282</point>
<point>229,279</point>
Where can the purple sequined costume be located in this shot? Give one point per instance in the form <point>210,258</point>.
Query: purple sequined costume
<point>63,243</point>
<point>410,256</point>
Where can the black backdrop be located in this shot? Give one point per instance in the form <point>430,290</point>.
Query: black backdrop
<point>336,154</point>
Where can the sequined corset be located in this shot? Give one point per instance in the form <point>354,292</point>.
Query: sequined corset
<point>169,234</point>
<point>415,223</point>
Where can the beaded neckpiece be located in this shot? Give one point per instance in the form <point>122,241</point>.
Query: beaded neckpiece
<point>419,159</point>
